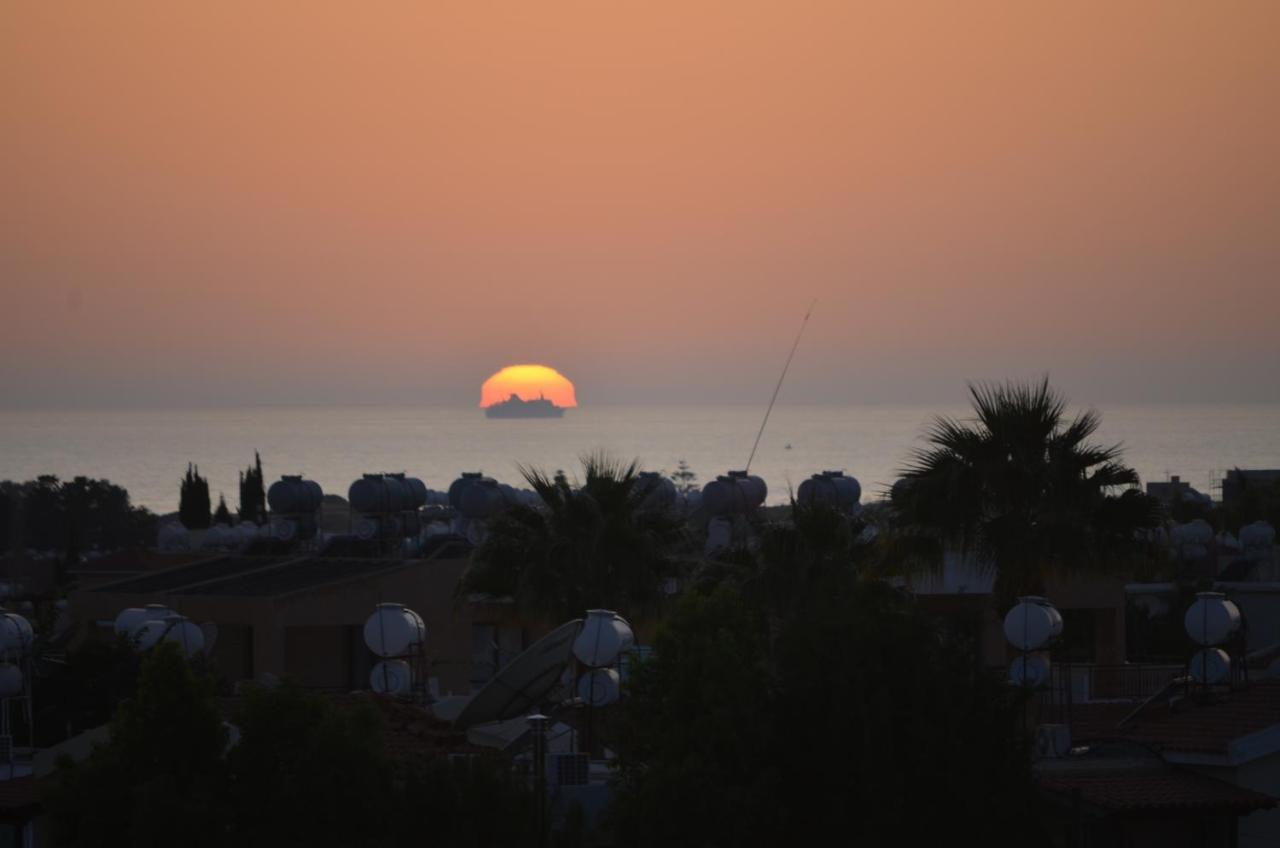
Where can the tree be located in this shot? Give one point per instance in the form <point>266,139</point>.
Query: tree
<point>222,515</point>
<point>82,514</point>
<point>837,708</point>
<point>193,500</point>
<point>308,772</point>
<point>253,495</point>
<point>1022,489</point>
<point>583,546</point>
<point>684,477</point>
<point>160,780</point>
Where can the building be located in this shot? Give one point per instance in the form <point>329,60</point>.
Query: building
<point>1175,490</point>
<point>1239,482</point>
<point>1182,767</point>
<point>301,616</point>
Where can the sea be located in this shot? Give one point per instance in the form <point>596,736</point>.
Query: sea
<point>147,450</point>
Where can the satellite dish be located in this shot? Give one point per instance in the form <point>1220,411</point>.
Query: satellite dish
<point>1211,666</point>
<point>603,638</point>
<point>394,630</point>
<point>520,686</point>
<point>391,677</point>
<point>367,528</point>
<point>16,634</point>
<point>284,530</point>
<point>1031,623</point>
<point>1030,671</point>
<point>129,619</point>
<point>1211,619</point>
<point>600,687</point>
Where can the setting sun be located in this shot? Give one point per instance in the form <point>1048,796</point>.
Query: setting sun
<point>528,382</point>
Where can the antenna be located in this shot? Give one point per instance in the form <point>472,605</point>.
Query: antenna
<point>778,387</point>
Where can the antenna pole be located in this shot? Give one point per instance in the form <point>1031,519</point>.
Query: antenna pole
<point>778,387</point>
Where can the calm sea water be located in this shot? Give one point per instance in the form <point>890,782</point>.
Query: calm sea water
<point>146,451</point>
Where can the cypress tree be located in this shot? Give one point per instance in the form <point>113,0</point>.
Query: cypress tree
<point>222,515</point>
<point>193,500</point>
<point>253,495</point>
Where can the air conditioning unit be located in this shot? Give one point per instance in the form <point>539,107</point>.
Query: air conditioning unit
<point>569,769</point>
<point>1052,741</point>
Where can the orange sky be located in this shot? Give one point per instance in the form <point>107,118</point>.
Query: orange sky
<point>370,202</point>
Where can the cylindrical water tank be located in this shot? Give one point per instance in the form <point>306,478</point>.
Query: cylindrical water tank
<point>1197,532</point>
<point>415,491</point>
<point>217,536</point>
<point>16,634</point>
<point>1031,623</point>
<point>480,497</point>
<point>383,493</point>
<point>173,537</point>
<point>1211,666</point>
<point>655,492</point>
<point>129,619</point>
<point>292,495</point>
<point>831,488</point>
<point>391,677</point>
<point>1212,619</point>
<point>735,493</point>
<point>394,630</point>
<point>457,486</point>
<point>1030,671</point>
<point>1259,534</point>
<point>600,687</point>
<point>603,638</point>
<point>10,680</point>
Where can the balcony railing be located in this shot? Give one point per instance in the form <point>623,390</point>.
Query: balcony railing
<point>1082,683</point>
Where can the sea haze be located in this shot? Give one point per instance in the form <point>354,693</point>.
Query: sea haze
<point>146,451</point>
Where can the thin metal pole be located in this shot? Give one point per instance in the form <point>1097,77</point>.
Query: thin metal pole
<point>778,387</point>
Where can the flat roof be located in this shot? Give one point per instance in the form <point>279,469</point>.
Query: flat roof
<point>294,575</point>
<point>174,579</point>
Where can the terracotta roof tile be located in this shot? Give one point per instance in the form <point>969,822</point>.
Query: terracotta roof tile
<point>1145,788</point>
<point>1185,724</point>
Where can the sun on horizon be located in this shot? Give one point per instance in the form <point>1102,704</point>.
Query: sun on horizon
<point>528,382</point>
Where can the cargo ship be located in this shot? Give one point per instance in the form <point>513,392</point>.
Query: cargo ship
<point>515,407</point>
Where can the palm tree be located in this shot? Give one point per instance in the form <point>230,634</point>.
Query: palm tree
<point>1022,489</point>
<point>590,544</point>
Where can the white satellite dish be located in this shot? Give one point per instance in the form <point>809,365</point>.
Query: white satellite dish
<point>1212,619</point>
<point>1032,623</point>
<point>600,687</point>
<point>523,684</point>
<point>1030,671</point>
<point>604,637</point>
<point>394,630</point>
<point>391,677</point>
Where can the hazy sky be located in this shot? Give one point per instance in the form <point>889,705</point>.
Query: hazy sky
<point>371,202</point>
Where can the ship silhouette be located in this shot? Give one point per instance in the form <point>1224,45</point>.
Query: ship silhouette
<point>515,407</point>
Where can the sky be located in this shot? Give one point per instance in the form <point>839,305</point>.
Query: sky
<point>263,204</point>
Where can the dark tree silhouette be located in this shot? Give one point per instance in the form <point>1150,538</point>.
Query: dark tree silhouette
<point>793,698</point>
<point>1022,489</point>
<point>193,501</point>
<point>588,545</point>
<point>253,494</point>
<point>82,514</point>
<point>222,515</point>
<point>685,478</point>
